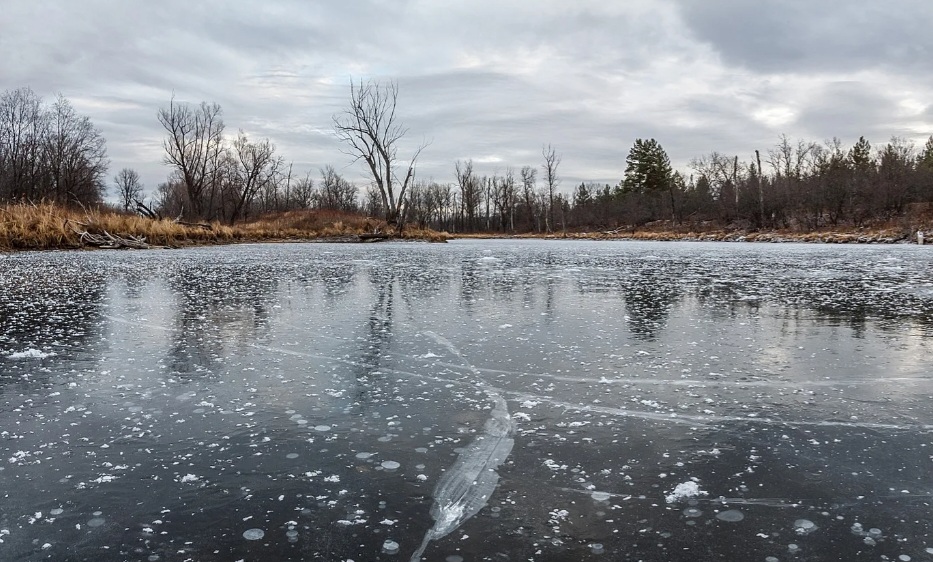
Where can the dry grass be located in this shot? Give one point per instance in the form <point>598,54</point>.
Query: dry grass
<point>46,226</point>
<point>882,233</point>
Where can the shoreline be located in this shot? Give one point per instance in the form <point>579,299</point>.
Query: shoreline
<point>46,226</point>
<point>867,236</point>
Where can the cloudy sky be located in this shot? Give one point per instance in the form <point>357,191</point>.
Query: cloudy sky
<point>490,81</point>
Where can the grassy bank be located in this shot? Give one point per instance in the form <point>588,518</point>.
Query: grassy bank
<point>47,226</point>
<point>854,236</point>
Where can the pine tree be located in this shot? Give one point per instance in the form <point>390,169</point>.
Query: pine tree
<point>648,169</point>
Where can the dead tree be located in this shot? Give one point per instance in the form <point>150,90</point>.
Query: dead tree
<point>370,132</point>
<point>551,162</point>
<point>128,187</point>
<point>193,147</point>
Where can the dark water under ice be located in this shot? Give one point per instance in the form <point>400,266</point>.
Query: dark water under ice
<point>575,401</point>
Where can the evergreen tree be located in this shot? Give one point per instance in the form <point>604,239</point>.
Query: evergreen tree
<point>860,155</point>
<point>925,160</point>
<point>647,168</point>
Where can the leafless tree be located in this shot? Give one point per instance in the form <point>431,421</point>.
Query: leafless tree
<point>370,132</point>
<point>256,167</point>
<point>335,191</point>
<point>529,179</point>
<point>21,132</point>
<point>471,193</point>
<point>551,162</point>
<point>194,147</point>
<point>128,187</point>
<point>302,195</point>
<point>75,155</point>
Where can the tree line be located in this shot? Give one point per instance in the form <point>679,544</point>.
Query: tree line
<point>49,151</point>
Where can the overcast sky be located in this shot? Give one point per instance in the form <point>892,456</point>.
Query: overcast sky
<point>491,81</point>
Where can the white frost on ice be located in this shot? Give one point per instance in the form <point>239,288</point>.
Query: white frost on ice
<point>30,353</point>
<point>685,490</point>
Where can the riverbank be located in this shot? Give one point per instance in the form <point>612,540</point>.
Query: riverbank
<point>46,226</point>
<point>835,236</point>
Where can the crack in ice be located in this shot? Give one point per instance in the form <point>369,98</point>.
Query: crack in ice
<point>467,486</point>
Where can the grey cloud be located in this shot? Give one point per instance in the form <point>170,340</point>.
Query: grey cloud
<point>850,109</point>
<point>802,35</point>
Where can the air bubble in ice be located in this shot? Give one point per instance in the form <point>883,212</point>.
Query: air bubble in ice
<point>363,456</point>
<point>732,515</point>
<point>874,533</point>
<point>56,511</point>
<point>291,456</point>
<point>454,558</point>
<point>692,512</point>
<point>390,465</point>
<point>600,496</point>
<point>390,547</point>
<point>597,547</point>
<point>804,526</point>
<point>322,428</point>
<point>95,522</point>
<point>253,534</point>
<point>792,548</point>
<point>292,534</point>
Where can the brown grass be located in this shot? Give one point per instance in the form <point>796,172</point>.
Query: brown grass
<point>881,233</point>
<point>46,226</point>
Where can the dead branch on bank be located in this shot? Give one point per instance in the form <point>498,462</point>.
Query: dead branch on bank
<point>105,240</point>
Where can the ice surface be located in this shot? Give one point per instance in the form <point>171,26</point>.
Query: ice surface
<point>790,382</point>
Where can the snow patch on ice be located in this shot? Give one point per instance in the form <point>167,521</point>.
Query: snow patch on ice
<point>30,353</point>
<point>685,490</point>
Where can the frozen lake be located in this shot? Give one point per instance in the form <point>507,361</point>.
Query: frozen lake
<point>488,400</point>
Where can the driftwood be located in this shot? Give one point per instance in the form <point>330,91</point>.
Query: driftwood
<point>374,237</point>
<point>112,242</point>
<point>147,211</point>
<point>204,225</point>
<point>105,240</point>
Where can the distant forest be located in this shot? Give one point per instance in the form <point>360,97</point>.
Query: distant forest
<point>49,152</point>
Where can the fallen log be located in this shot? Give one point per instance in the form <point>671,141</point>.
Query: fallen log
<point>204,225</point>
<point>375,237</point>
<point>112,242</point>
<point>106,240</point>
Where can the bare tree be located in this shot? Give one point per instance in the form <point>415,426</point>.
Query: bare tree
<point>75,155</point>
<point>551,162</point>
<point>471,193</point>
<point>303,195</point>
<point>371,133</point>
<point>21,131</point>
<point>256,167</point>
<point>335,191</point>
<point>194,147</point>
<point>129,189</point>
<point>529,179</point>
